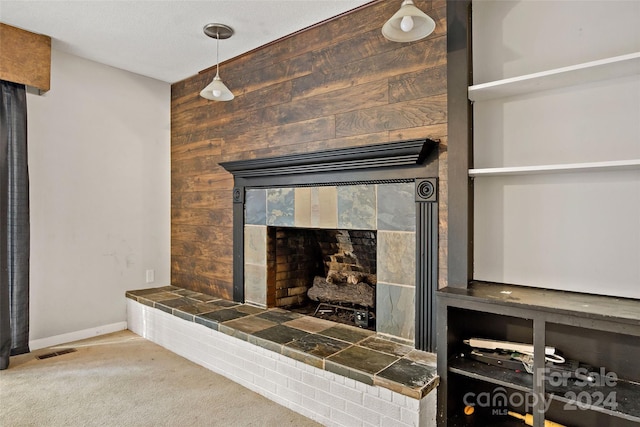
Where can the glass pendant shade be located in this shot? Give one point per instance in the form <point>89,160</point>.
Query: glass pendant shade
<point>217,91</point>
<point>408,24</point>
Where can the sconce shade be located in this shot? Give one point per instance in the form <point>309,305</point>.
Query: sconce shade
<point>217,91</point>
<point>418,24</point>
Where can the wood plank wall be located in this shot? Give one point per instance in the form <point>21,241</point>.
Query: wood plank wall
<point>338,84</point>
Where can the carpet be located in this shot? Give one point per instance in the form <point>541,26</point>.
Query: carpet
<point>123,380</point>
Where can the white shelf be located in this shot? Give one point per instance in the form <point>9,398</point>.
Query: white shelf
<point>559,168</point>
<point>610,68</point>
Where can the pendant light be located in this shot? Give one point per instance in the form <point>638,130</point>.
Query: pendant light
<point>216,90</point>
<point>408,24</point>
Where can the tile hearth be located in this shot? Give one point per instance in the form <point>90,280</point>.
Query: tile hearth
<point>348,351</point>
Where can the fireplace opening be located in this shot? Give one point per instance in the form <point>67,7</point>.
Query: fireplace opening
<point>327,273</point>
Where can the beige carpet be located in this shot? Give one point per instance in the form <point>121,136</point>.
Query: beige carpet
<point>122,379</point>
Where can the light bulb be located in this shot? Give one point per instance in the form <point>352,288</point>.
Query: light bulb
<point>406,24</point>
<point>216,92</point>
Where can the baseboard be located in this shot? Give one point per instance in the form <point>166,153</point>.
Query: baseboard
<point>77,335</point>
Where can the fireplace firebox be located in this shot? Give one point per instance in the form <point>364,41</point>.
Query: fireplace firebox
<point>327,273</point>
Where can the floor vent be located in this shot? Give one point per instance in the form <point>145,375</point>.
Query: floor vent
<point>56,353</point>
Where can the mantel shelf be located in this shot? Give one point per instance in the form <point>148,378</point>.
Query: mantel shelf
<point>558,168</point>
<point>609,68</point>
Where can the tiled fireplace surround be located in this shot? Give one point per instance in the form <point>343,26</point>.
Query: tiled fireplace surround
<point>322,371</point>
<point>388,208</point>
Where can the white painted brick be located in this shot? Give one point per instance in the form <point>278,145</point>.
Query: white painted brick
<point>350,383</point>
<point>264,385</point>
<point>322,420</point>
<point>253,367</point>
<point>384,407</point>
<point>410,417</point>
<point>330,400</point>
<point>413,404</point>
<point>318,408</point>
<point>385,394</point>
<point>428,409</point>
<point>367,415</point>
<point>245,376</point>
<point>344,419</point>
<point>338,379</point>
<point>399,399</point>
<point>367,389</point>
<point>347,393</point>
<point>392,422</point>
<point>289,370</point>
<point>301,388</point>
<point>275,377</point>
<point>289,395</point>
<point>316,381</point>
<point>266,363</point>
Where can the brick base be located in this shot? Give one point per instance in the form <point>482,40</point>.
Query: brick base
<point>323,396</point>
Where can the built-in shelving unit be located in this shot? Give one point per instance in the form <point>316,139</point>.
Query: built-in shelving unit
<point>558,168</point>
<point>601,332</point>
<point>609,68</point>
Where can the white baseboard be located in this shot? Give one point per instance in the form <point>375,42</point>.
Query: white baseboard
<point>77,335</point>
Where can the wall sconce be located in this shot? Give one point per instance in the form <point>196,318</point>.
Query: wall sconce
<point>216,90</point>
<point>408,24</point>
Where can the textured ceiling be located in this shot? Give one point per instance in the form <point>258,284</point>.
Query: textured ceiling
<point>164,39</point>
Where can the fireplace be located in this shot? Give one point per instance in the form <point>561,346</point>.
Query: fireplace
<point>349,193</point>
<point>327,273</point>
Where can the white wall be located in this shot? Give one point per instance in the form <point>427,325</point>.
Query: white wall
<point>574,231</point>
<point>99,165</point>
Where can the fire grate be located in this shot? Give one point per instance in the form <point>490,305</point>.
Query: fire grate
<point>361,317</point>
<point>56,353</point>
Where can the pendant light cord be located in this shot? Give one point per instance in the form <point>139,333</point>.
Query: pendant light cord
<point>217,53</point>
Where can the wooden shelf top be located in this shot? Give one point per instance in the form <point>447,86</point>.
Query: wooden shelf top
<point>625,310</point>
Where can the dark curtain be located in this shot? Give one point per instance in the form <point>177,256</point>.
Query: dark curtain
<point>14,227</point>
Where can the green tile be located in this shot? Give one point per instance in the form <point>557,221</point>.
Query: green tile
<point>202,297</point>
<point>363,359</point>
<point>310,324</point>
<point>177,302</point>
<point>347,333</point>
<point>279,316</point>
<point>160,296</point>
<point>318,345</point>
<point>223,315</point>
<point>423,357</point>
<point>200,307</point>
<point>231,331</point>
<point>265,343</point>
<point>407,377</point>
<point>223,303</point>
<point>211,324</point>
<point>386,346</point>
<point>143,300</point>
<point>250,324</point>
<point>183,315</point>
<point>280,334</point>
<point>304,357</point>
<point>250,309</point>
<point>354,374</point>
<point>141,292</point>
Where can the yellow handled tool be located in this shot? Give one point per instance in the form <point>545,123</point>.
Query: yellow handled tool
<point>528,420</point>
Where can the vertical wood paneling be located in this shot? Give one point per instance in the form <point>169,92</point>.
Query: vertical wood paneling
<point>338,84</point>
